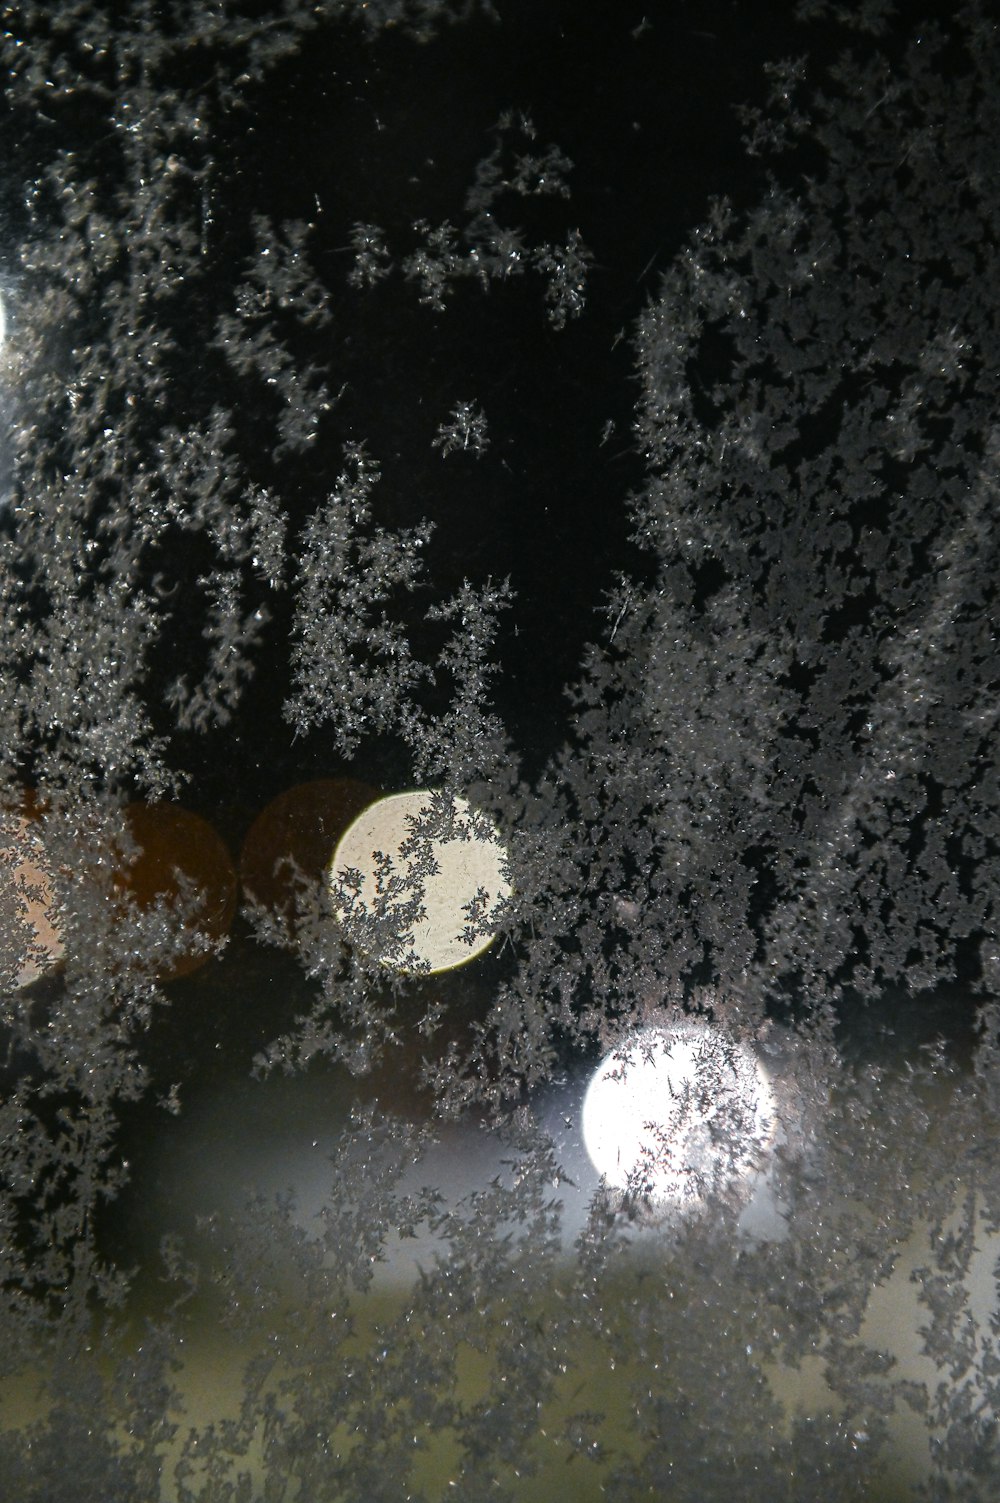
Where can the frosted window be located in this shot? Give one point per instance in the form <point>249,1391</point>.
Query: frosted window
<point>579,424</point>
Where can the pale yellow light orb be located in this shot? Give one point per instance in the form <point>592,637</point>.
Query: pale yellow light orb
<point>467,882</point>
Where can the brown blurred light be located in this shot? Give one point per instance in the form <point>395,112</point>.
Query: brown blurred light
<point>298,831</point>
<point>175,845</point>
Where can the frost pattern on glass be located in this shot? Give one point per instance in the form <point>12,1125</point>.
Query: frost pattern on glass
<point>776,793</point>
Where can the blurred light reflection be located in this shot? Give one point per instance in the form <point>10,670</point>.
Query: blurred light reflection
<point>33,926</point>
<point>678,1114</point>
<point>417,900</point>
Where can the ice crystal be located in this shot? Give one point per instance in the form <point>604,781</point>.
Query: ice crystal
<point>351,664</point>
<point>466,430</point>
<point>484,249</point>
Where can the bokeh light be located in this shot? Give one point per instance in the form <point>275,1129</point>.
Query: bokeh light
<point>677,1114</point>
<point>29,898</point>
<point>180,855</point>
<point>292,840</point>
<point>420,901</point>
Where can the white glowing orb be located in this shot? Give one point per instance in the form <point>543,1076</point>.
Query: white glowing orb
<point>427,905</point>
<point>678,1113</point>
